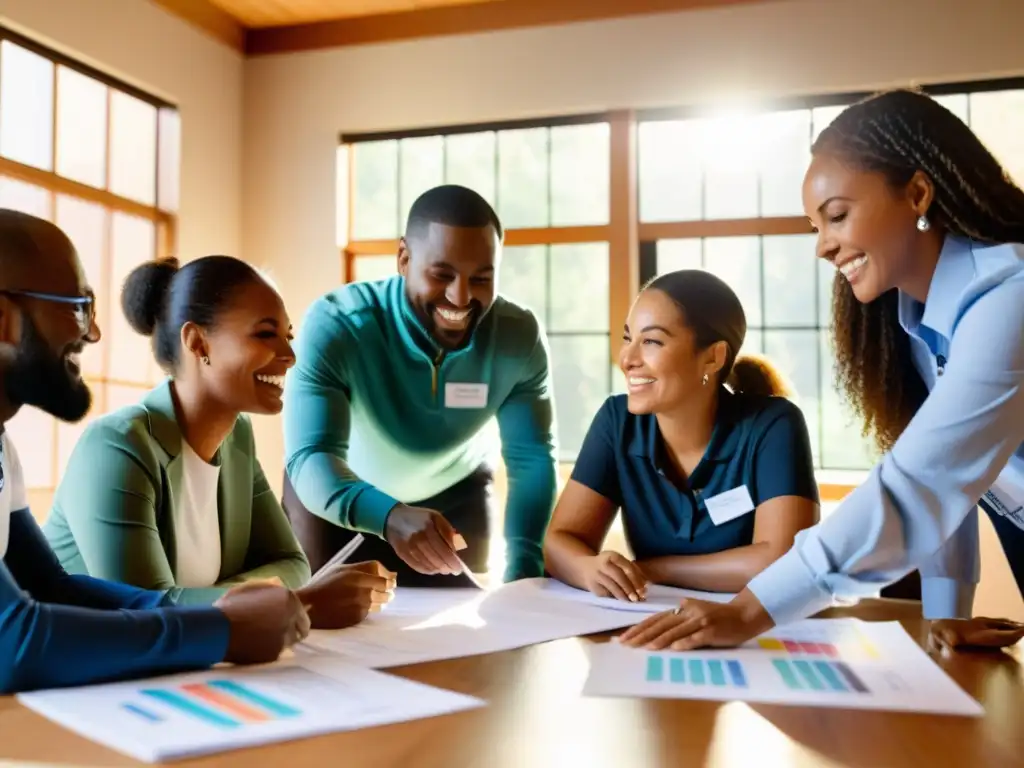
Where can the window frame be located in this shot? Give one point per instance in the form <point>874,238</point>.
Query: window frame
<point>632,242</point>
<point>56,186</point>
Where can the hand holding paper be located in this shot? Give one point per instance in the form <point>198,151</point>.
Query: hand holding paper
<point>609,574</point>
<point>424,539</point>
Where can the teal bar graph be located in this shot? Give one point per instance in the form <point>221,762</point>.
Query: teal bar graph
<point>826,676</point>
<point>655,668</point>
<point>676,670</point>
<point>187,706</point>
<point>248,694</point>
<point>787,674</point>
<point>690,671</point>
<point>824,669</point>
<point>807,673</point>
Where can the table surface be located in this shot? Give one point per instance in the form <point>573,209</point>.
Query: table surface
<point>536,717</point>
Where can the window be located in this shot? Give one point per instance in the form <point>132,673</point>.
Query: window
<point>722,193</point>
<point>586,206</point>
<point>99,158</point>
<point>550,186</point>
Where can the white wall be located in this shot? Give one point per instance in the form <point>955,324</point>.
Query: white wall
<point>141,43</point>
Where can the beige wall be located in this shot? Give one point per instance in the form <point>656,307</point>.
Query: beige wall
<point>139,42</point>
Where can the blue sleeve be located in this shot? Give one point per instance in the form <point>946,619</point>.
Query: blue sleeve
<point>917,498</point>
<point>316,429</point>
<point>58,630</point>
<point>783,462</point>
<point>526,424</point>
<point>596,465</point>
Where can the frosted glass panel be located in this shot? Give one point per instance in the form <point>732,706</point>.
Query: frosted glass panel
<point>133,242</point>
<point>26,106</point>
<point>132,148</point>
<point>81,128</point>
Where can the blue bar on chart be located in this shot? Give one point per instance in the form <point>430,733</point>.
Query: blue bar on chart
<point>698,672</point>
<point>145,714</point>
<point>820,676</point>
<point>739,679</point>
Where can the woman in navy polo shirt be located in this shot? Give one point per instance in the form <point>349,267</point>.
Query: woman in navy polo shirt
<point>709,463</point>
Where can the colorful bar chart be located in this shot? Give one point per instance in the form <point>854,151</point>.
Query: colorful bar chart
<point>854,647</point>
<point>221,703</point>
<point>805,675</point>
<point>700,672</point>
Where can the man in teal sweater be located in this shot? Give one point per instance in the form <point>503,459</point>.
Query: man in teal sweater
<point>387,408</point>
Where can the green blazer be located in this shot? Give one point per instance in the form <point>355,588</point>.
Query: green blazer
<point>113,513</point>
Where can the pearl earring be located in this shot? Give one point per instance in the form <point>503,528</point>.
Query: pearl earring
<point>205,359</point>
<point>704,381</point>
<point>923,225</point>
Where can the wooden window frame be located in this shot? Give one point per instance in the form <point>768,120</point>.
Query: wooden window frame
<point>165,221</point>
<point>625,233</point>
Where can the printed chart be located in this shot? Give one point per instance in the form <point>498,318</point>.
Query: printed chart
<point>822,662</point>
<point>187,715</point>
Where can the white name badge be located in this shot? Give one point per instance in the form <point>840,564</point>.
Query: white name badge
<point>462,395</point>
<point>1006,497</point>
<point>729,505</point>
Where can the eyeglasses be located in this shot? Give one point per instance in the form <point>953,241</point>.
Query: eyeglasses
<point>84,306</point>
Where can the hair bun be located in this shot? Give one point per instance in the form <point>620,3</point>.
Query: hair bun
<point>144,293</point>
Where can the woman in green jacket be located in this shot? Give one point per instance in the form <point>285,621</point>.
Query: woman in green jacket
<point>168,494</point>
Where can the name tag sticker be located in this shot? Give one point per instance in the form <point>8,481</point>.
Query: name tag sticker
<point>1006,497</point>
<point>462,395</point>
<point>729,505</point>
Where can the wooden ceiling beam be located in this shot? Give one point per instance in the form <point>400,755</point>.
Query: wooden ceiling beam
<point>457,20</point>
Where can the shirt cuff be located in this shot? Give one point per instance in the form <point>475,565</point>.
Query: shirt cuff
<point>205,631</point>
<point>370,510</point>
<point>789,590</point>
<point>944,598</point>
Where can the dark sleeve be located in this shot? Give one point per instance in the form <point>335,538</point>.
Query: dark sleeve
<point>59,630</point>
<point>597,465</point>
<point>783,464</point>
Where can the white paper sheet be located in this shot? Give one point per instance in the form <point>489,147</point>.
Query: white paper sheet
<point>422,625</point>
<point>843,663</point>
<point>174,717</point>
<point>659,598</point>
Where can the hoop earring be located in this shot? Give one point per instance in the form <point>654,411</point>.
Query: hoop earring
<point>923,225</point>
<point>704,381</point>
<point>205,360</point>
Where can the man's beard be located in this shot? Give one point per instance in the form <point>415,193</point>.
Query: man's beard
<point>41,378</point>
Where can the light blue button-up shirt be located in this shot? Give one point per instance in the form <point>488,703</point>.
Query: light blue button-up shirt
<point>918,507</point>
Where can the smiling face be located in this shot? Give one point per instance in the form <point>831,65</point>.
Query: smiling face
<point>49,336</point>
<point>249,349</point>
<point>450,279</point>
<point>866,226</point>
<point>659,356</point>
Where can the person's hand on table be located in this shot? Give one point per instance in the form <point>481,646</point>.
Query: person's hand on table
<point>264,620</point>
<point>699,624</point>
<point>346,594</point>
<point>976,633</point>
<point>609,574</point>
<point>424,539</point>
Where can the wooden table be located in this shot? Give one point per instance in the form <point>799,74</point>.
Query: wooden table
<point>536,717</point>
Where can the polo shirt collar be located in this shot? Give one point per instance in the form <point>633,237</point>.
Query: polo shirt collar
<point>646,441</point>
<point>953,272</point>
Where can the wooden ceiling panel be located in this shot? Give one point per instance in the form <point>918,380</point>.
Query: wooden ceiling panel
<point>273,13</point>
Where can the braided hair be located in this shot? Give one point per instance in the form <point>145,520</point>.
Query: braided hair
<point>898,133</point>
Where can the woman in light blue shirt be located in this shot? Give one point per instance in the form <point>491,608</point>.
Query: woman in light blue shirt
<point>925,229</point>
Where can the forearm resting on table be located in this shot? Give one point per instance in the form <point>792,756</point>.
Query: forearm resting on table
<point>726,571</point>
<point>565,556</point>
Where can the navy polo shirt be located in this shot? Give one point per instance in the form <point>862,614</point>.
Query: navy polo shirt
<point>758,442</point>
